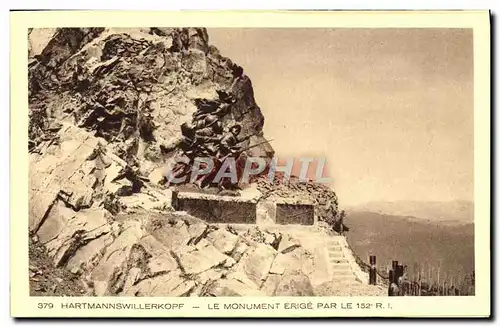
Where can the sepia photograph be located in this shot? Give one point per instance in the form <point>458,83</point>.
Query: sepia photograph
<point>390,110</point>
<point>255,162</point>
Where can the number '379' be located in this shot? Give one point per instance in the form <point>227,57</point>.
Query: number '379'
<point>45,305</point>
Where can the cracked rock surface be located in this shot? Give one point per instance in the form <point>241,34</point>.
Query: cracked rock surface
<point>103,102</point>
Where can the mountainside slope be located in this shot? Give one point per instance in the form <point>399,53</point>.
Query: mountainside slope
<point>437,211</point>
<point>412,241</point>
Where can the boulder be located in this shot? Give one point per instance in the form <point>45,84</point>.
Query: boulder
<point>272,239</point>
<point>55,221</point>
<point>171,285</point>
<point>242,278</point>
<point>68,171</point>
<point>39,204</point>
<point>38,39</point>
<point>231,287</point>
<point>131,270</point>
<point>77,192</point>
<point>298,260</point>
<point>122,187</point>
<point>256,262</point>
<point>133,276</point>
<point>202,244</point>
<point>54,126</point>
<point>196,63</point>
<point>161,260</point>
<point>240,249</point>
<point>293,283</point>
<point>116,254</point>
<point>161,264</point>
<point>288,243</point>
<point>279,265</point>
<point>87,257</point>
<point>210,275</point>
<point>196,232</point>
<point>270,284</point>
<point>172,236</point>
<point>194,260</point>
<point>223,240</point>
<point>152,245</point>
<point>229,263</point>
<point>163,197</point>
<point>81,228</point>
<point>114,167</point>
<point>157,175</point>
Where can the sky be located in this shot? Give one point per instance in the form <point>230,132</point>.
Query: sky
<point>390,109</point>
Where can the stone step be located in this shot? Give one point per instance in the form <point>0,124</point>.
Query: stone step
<point>341,267</point>
<point>349,284</point>
<point>336,256</point>
<point>344,279</point>
<point>334,246</point>
<point>334,261</point>
<point>343,273</point>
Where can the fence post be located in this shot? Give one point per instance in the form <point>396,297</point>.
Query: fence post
<point>438,281</point>
<point>399,279</point>
<point>396,272</point>
<point>394,265</point>
<point>391,281</point>
<point>420,273</point>
<point>373,270</point>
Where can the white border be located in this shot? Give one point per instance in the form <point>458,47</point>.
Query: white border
<point>188,4</point>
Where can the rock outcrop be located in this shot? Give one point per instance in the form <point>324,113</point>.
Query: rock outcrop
<point>153,253</point>
<point>134,88</point>
<point>104,106</point>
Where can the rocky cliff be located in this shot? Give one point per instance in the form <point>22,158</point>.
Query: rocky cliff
<point>135,87</point>
<point>104,104</point>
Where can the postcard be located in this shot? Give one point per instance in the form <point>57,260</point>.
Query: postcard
<point>250,164</point>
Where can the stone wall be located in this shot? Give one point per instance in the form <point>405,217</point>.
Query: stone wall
<point>238,210</point>
<point>301,214</point>
<point>217,209</point>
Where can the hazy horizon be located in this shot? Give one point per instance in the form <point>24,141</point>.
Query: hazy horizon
<point>415,201</point>
<point>391,109</point>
